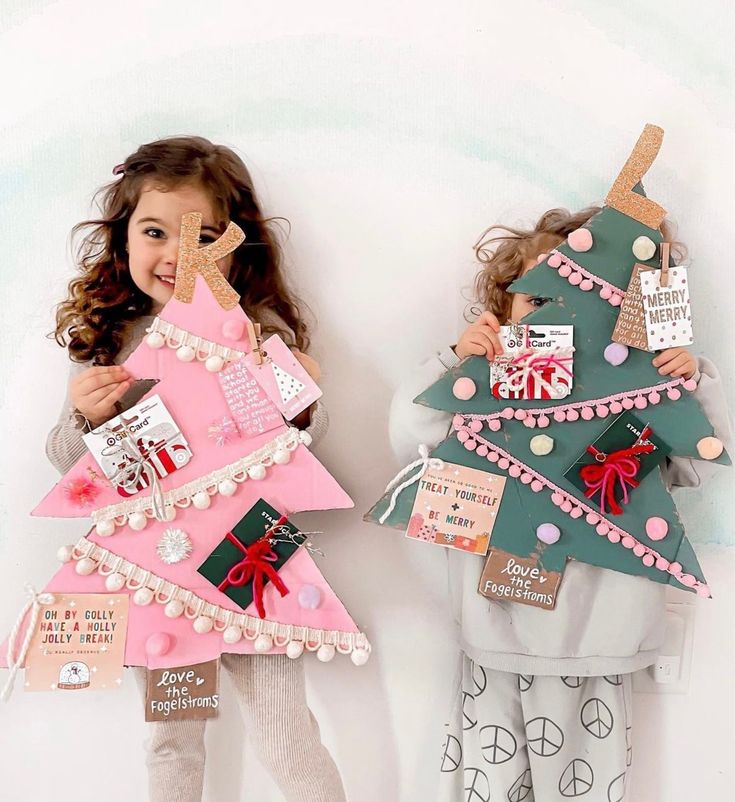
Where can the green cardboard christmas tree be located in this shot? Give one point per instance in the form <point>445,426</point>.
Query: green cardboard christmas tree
<point>568,494</point>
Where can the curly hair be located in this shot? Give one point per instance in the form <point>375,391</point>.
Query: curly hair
<point>504,256</point>
<point>103,299</point>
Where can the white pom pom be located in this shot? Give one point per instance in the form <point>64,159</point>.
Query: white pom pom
<point>64,553</point>
<point>174,546</point>
<point>155,340</point>
<point>256,472</point>
<point>232,635</point>
<point>169,513</point>
<point>263,643</point>
<point>185,353</point>
<point>644,248</point>
<point>137,521</point>
<point>105,528</point>
<point>203,624</point>
<point>115,582</point>
<point>85,566</point>
<point>294,649</point>
<point>143,597</point>
<point>282,457</point>
<point>174,608</point>
<point>201,500</point>
<point>541,445</point>
<point>305,438</point>
<point>360,656</point>
<point>227,487</point>
<point>214,364</point>
<point>325,652</point>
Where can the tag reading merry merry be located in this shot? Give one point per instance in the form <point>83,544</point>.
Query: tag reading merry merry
<point>188,692</point>
<point>668,313</point>
<point>518,579</point>
<point>79,643</point>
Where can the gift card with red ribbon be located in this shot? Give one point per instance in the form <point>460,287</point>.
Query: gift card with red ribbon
<point>138,447</point>
<point>537,362</point>
<point>614,465</point>
<point>251,555</point>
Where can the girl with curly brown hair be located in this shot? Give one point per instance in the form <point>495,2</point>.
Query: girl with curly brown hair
<point>127,263</point>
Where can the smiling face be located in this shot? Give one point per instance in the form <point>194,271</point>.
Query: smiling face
<point>153,237</point>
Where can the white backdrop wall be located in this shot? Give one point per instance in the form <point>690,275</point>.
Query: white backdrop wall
<point>389,136</point>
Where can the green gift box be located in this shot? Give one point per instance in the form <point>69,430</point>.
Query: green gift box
<point>231,552</point>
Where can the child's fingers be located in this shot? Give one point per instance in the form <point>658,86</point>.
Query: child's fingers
<point>97,378</point>
<point>100,400</point>
<point>116,394</point>
<point>493,337</point>
<point>488,319</point>
<point>483,344</point>
<point>673,363</point>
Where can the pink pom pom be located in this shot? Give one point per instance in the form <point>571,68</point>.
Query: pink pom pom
<point>493,456</point>
<point>514,471</point>
<point>566,506</point>
<point>639,549</point>
<point>541,258</point>
<point>560,416</point>
<point>519,414</point>
<point>526,478</point>
<point>613,536</point>
<point>587,285</point>
<point>80,491</point>
<point>615,353</point>
<point>575,279</point>
<point>537,486</point>
<point>601,411</point>
<point>628,542</point>
<point>648,560</point>
<point>463,436</point>
<point>470,445</point>
<point>457,421</point>
<point>602,528</point>
<point>494,425</point>
<point>673,394</point>
<point>654,398</point>
<point>503,463</point>
<point>690,385</point>
<point>158,644</point>
<point>507,413</point>
<point>557,499</point>
<point>627,403</point>
<point>704,592</point>
<point>577,512</point>
<point>572,415</point>
<point>580,240</point>
<point>640,402</point>
<point>616,300</point>
<point>233,329</point>
<point>657,528</point>
<point>529,422</point>
<point>554,260</point>
<point>475,425</point>
<point>616,407</point>
<point>464,388</point>
<point>587,413</point>
<point>565,271</point>
<point>482,450</point>
<point>592,518</point>
<point>543,422</point>
<point>606,293</point>
<point>688,580</point>
<point>674,568</point>
<point>662,564</point>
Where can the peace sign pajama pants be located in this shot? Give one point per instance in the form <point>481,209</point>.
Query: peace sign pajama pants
<point>518,738</point>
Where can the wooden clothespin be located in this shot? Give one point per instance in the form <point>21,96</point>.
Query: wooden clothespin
<point>254,336</point>
<point>664,278</point>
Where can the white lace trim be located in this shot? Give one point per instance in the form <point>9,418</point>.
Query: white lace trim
<point>174,337</point>
<point>194,606</point>
<point>182,496</point>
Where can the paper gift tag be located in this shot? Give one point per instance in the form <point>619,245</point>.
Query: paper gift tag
<point>135,443</point>
<point>668,314</point>
<point>506,577</point>
<point>537,362</point>
<point>188,692</point>
<point>283,378</point>
<point>630,328</point>
<point>78,643</point>
<point>251,409</point>
<point>456,507</point>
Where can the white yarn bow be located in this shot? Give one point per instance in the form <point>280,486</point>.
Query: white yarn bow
<point>425,462</point>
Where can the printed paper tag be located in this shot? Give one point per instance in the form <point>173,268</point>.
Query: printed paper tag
<point>456,507</point>
<point>251,409</point>
<point>79,643</point>
<point>506,577</point>
<point>630,328</point>
<point>131,445</point>
<point>548,360</point>
<point>668,314</point>
<point>283,378</point>
<point>188,692</point>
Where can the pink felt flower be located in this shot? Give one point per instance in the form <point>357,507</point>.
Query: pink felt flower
<point>81,492</point>
<point>223,431</point>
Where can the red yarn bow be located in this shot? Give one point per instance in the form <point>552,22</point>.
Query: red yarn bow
<point>619,467</point>
<point>254,567</point>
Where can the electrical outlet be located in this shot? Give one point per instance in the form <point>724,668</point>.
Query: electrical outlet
<point>670,672</point>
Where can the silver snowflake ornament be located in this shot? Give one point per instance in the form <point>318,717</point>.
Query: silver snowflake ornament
<point>174,546</point>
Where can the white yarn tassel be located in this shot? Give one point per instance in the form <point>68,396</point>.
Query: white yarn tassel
<point>34,605</point>
<point>425,462</point>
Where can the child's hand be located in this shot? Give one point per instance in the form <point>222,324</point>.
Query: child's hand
<point>481,338</point>
<point>675,362</point>
<point>95,391</point>
<point>310,365</point>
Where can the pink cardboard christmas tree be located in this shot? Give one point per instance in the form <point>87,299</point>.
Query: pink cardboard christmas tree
<point>162,515</point>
